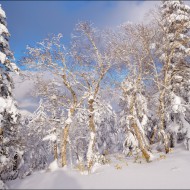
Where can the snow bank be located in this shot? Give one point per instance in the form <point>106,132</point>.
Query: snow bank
<point>53,166</point>
<point>2,185</point>
<point>171,172</point>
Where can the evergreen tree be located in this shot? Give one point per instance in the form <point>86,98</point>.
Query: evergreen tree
<point>175,18</point>
<point>10,155</point>
<point>175,55</point>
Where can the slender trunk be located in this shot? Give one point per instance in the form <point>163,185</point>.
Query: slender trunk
<point>153,136</point>
<point>187,143</point>
<point>15,163</point>
<point>55,150</point>
<point>64,145</point>
<point>70,154</point>
<point>1,134</point>
<point>68,123</point>
<point>55,147</point>
<point>90,152</point>
<point>140,141</point>
<point>65,138</point>
<point>1,131</point>
<point>144,138</point>
<point>162,110</point>
<point>172,140</point>
<point>137,131</point>
<point>163,135</point>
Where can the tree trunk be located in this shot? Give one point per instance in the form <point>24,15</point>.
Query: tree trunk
<point>152,137</point>
<point>1,134</point>
<point>173,138</point>
<point>55,146</point>
<point>66,137</point>
<point>55,150</point>
<point>70,154</point>
<point>163,134</point>
<point>70,114</point>
<point>140,141</point>
<point>137,131</point>
<point>64,145</point>
<point>187,143</point>
<point>90,152</point>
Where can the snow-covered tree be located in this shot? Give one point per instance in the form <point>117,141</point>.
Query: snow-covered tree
<point>79,138</point>
<point>10,154</point>
<point>175,21</point>
<point>50,56</point>
<point>105,125</point>
<point>135,118</point>
<point>178,113</point>
<point>37,149</point>
<point>127,47</point>
<point>174,52</point>
<point>90,52</point>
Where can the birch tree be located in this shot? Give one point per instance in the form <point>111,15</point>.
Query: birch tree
<point>128,52</point>
<point>51,56</point>
<point>90,53</point>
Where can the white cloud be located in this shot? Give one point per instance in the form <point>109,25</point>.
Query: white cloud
<point>24,88</point>
<point>22,93</point>
<point>135,11</point>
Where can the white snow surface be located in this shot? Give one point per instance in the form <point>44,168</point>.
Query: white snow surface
<point>2,185</point>
<point>169,173</point>
<point>53,166</point>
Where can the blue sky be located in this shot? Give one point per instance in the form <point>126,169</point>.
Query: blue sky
<point>31,21</point>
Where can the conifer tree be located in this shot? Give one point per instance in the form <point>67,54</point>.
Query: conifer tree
<point>175,21</point>
<point>10,155</point>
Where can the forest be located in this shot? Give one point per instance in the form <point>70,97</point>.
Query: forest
<point>120,92</point>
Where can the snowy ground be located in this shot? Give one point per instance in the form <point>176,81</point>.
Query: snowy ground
<point>171,172</point>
